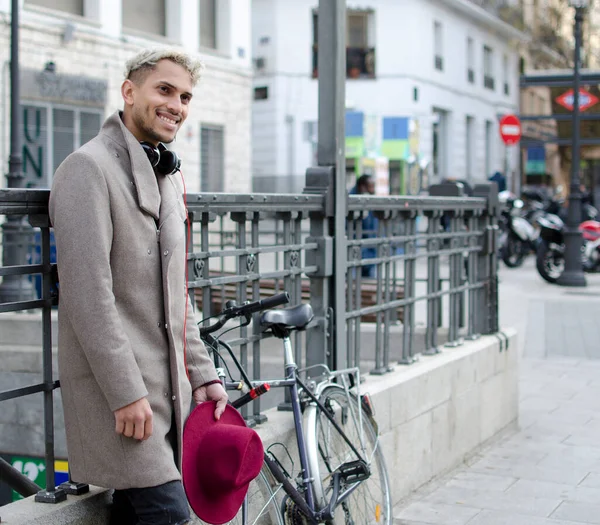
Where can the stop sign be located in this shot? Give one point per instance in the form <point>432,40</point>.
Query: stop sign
<point>510,129</point>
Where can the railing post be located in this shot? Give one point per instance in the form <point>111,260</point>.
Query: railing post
<point>455,259</point>
<point>433,281</point>
<point>331,154</point>
<point>488,260</point>
<point>473,276</point>
<point>454,339</point>
<point>51,494</point>
<point>410,252</point>
<point>318,337</point>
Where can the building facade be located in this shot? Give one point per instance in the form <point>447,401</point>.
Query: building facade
<point>427,81</point>
<point>72,57</point>
<point>546,157</point>
<point>551,48</point>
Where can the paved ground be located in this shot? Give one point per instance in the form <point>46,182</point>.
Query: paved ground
<point>548,473</point>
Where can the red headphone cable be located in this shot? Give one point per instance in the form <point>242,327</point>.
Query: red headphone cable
<point>188,239</point>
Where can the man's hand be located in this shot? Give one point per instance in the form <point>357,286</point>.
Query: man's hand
<point>214,392</point>
<point>134,420</point>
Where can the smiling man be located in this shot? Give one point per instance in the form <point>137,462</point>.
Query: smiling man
<point>129,353</point>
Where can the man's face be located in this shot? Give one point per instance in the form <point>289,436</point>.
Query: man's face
<point>368,187</point>
<point>159,104</point>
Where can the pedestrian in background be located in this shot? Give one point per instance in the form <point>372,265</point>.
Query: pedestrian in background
<point>365,185</point>
<point>500,181</point>
<point>129,352</point>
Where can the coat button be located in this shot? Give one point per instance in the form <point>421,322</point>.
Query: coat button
<point>166,252</point>
<point>174,398</point>
<point>149,251</point>
<point>159,323</point>
<point>166,326</point>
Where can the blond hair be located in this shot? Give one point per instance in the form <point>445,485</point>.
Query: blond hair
<point>137,67</point>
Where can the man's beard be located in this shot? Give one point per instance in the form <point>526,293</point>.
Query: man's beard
<point>142,124</point>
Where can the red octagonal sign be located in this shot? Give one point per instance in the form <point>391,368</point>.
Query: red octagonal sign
<point>510,129</point>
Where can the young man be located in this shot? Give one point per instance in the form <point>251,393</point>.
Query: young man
<point>130,356</point>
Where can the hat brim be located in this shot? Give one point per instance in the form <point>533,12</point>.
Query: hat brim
<point>210,508</point>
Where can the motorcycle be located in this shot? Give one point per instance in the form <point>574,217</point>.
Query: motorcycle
<point>519,236</point>
<point>590,231</point>
<point>550,257</point>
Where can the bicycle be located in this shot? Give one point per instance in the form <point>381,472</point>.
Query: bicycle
<point>342,477</point>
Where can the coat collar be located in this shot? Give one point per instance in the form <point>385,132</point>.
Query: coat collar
<point>143,175</point>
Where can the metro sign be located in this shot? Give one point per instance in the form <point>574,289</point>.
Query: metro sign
<point>586,100</point>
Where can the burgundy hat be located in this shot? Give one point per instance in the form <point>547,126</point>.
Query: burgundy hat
<point>220,459</point>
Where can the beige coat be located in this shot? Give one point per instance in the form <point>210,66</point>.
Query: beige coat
<point>120,238</point>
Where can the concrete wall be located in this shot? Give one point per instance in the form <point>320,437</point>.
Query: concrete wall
<point>22,419</point>
<point>432,416</point>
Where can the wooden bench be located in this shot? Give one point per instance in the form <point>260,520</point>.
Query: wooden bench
<point>368,297</point>
<point>222,293</point>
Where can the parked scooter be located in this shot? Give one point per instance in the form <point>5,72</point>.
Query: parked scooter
<point>519,237</point>
<point>550,256</point>
<point>550,260</point>
<point>590,231</point>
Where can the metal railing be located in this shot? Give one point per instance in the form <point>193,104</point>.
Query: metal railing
<point>32,206</point>
<point>423,277</point>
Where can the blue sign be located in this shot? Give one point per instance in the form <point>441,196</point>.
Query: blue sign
<point>395,128</point>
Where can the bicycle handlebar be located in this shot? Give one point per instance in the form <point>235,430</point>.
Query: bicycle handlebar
<point>245,310</point>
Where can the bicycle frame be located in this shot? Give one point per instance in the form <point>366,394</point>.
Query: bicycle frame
<point>303,498</point>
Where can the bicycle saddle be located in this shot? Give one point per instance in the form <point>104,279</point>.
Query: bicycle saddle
<point>295,317</point>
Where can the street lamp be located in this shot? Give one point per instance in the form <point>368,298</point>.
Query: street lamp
<point>573,272</point>
<point>15,229</point>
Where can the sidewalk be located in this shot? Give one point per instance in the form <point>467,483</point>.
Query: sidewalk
<point>548,473</point>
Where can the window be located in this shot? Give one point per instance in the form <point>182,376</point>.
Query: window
<point>469,146</point>
<point>541,105</point>
<point>396,177</point>
<point>470,61</point>
<point>488,148</point>
<point>505,75</point>
<point>211,159</point>
<point>532,102</point>
<point>438,45</point>
<point>74,7</point>
<point>50,134</point>
<point>488,68</point>
<point>436,148</point>
<point>360,50</point>
<point>440,143</point>
<point>310,134</point>
<point>261,93</point>
<point>147,16</point>
<point>208,24</point>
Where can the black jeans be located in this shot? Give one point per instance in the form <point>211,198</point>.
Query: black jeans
<point>161,505</point>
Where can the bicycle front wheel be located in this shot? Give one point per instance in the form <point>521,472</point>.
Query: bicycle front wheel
<point>370,502</point>
<point>263,503</point>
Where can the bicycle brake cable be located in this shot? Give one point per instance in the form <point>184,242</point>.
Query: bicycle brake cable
<point>223,362</point>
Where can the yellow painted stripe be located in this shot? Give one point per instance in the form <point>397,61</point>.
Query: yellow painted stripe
<point>61,466</point>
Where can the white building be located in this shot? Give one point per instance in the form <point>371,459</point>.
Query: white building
<point>72,56</point>
<point>427,83</point>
